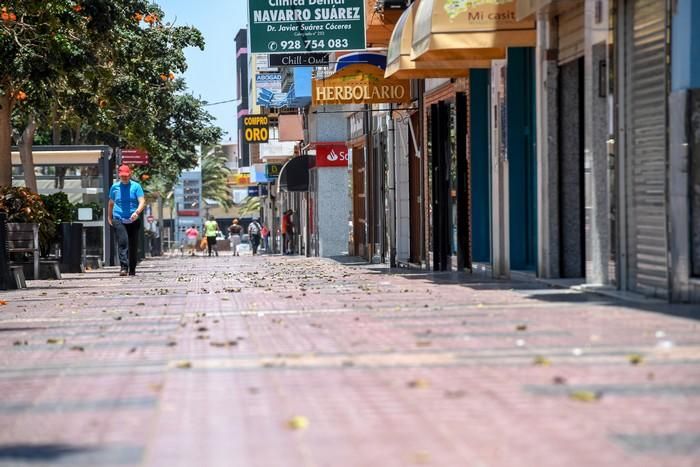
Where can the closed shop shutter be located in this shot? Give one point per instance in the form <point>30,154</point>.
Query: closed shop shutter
<point>647,103</point>
<point>571,33</point>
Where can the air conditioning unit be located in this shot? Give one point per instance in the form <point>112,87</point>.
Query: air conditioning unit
<point>383,5</point>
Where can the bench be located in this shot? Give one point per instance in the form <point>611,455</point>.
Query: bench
<point>23,238</point>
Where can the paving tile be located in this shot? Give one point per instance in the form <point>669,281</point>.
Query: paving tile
<point>205,361</point>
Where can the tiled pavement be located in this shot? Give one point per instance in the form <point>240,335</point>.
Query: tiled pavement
<point>273,361</point>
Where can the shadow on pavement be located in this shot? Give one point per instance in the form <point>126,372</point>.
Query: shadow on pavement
<point>40,452</point>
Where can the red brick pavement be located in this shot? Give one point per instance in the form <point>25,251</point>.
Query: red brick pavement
<point>204,362</point>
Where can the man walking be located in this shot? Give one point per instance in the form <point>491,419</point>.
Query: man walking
<point>126,203</point>
<point>254,229</point>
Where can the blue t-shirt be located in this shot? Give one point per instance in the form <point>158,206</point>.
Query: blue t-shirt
<point>126,198</point>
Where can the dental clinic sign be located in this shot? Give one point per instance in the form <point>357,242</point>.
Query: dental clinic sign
<point>283,26</point>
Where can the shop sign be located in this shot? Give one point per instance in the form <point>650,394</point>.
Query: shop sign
<point>270,81</point>
<point>134,157</point>
<point>255,128</point>
<point>300,59</point>
<point>306,26</point>
<point>238,180</point>
<point>273,170</point>
<point>360,84</point>
<point>331,155</point>
<point>356,124</point>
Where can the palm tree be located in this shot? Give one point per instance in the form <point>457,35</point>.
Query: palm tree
<point>215,175</point>
<point>250,205</point>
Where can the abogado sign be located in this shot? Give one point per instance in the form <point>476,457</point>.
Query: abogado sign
<point>360,84</point>
<point>279,26</point>
<point>255,129</point>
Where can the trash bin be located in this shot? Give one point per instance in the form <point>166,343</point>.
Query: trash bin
<point>72,247</point>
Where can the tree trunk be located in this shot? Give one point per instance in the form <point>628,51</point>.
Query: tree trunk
<point>5,139</point>
<point>25,154</point>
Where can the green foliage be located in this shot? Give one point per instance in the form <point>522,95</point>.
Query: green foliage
<point>104,72</point>
<point>22,205</point>
<point>215,176</point>
<point>251,205</point>
<point>59,207</point>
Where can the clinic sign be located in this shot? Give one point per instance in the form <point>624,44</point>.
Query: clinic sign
<point>284,26</point>
<point>256,129</point>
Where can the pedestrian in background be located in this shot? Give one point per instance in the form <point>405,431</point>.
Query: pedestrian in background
<point>265,232</point>
<point>287,232</point>
<point>234,232</point>
<point>192,234</point>
<point>126,203</point>
<point>210,229</point>
<point>254,229</point>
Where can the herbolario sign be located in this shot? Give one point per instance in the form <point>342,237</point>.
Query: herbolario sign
<point>280,26</point>
<point>360,84</point>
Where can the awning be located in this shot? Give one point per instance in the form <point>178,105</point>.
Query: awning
<point>527,8</point>
<point>400,65</point>
<point>294,175</point>
<point>454,30</point>
<point>68,156</point>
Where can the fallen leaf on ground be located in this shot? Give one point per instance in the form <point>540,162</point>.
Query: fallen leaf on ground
<point>78,348</point>
<point>541,361</point>
<point>118,318</point>
<point>559,380</point>
<point>202,337</point>
<point>184,365</point>
<point>202,329</point>
<point>635,359</point>
<point>418,384</point>
<point>224,344</point>
<point>55,341</point>
<point>521,327</point>
<point>20,343</point>
<point>132,350</point>
<point>3,302</point>
<point>298,422</point>
<point>585,396</point>
<point>423,344</point>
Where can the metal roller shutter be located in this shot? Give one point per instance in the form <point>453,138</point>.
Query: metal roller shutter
<point>647,186</point>
<point>571,31</point>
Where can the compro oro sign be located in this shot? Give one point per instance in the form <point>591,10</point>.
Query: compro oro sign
<point>279,26</point>
<point>331,155</point>
<point>256,129</point>
<point>360,84</point>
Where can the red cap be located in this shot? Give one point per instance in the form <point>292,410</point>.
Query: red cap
<point>124,170</point>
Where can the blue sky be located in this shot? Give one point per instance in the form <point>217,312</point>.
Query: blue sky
<point>212,72</point>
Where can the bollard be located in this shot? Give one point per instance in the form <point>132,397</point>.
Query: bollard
<point>71,247</point>
<point>5,282</point>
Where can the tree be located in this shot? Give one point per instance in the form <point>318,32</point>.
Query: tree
<point>40,42</point>
<point>215,176</point>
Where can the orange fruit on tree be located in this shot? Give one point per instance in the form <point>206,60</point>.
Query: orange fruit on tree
<point>171,76</point>
<point>77,8</point>
<point>5,16</point>
<point>138,16</point>
<point>21,96</point>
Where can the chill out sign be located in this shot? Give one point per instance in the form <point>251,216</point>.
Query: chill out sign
<point>283,26</point>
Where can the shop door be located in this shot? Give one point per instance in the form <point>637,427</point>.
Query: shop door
<point>414,192</point>
<point>646,187</point>
<point>359,221</point>
<point>479,82</point>
<point>521,154</point>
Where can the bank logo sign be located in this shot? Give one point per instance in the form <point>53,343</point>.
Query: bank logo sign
<point>331,155</point>
<point>284,26</point>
